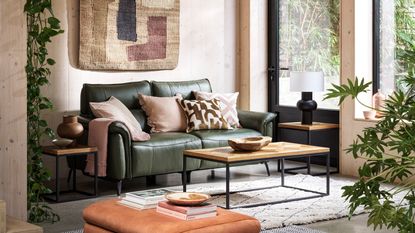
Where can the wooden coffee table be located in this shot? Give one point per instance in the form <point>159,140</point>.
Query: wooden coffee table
<point>274,151</point>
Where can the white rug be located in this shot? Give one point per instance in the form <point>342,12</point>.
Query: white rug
<point>291,213</point>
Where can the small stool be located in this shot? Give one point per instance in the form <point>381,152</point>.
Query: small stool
<point>109,216</point>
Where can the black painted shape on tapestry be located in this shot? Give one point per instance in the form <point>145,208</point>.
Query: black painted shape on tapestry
<point>126,20</point>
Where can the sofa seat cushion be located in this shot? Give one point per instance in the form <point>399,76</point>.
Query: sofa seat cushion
<point>163,153</point>
<point>219,138</point>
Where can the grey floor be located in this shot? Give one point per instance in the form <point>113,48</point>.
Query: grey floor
<point>71,212</point>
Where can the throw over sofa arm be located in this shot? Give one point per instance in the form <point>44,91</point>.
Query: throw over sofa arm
<point>119,145</point>
<point>262,122</point>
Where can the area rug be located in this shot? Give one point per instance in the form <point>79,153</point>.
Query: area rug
<point>291,213</point>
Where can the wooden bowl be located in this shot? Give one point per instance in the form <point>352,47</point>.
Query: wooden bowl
<point>249,144</point>
<point>187,198</point>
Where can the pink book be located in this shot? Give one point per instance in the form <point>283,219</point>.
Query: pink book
<point>178,215</point>
<point>188,210</point>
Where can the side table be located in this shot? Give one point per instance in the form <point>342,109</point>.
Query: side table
<point>71,152</point>
<point>317,134</point>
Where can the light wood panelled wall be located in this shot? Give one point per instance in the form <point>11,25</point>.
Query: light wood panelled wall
<point>13,107</point>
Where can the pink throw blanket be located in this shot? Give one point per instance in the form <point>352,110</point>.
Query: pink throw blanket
<point>98,137</point>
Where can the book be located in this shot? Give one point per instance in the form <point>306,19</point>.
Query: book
<point>147,196</point>
<point>182,216</point>
<point>136,206</point>
<point>189,210</point>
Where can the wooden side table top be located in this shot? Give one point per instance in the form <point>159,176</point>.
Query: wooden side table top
<point>79,149</point>
<point>314,126</point>
<point>273,150</point>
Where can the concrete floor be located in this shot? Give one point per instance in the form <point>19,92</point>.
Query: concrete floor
<point>71,212</point>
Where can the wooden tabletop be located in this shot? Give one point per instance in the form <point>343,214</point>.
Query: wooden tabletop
<point>273,150</point>
<point>314,126</point>
<point>79,149</point>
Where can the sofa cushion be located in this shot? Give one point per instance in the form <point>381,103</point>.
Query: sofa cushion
<point>115,110</point>
<point>125,92</point>
<point>169,89</point>
<point>219,138</point>
<point>163,153</point>
<point>203,114</point>
<point>227,104</point>
<point>164,114</point>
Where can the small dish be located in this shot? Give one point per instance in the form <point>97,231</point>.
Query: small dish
<point>62,142</point>
<point>187,198</point>
<point>249,144</point>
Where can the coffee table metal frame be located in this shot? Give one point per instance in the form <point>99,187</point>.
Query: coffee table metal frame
<point>282,159</point>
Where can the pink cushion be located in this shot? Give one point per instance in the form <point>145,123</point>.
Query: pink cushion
<point>116,110</point>
<point>227,104</point>
<point>164,114</point>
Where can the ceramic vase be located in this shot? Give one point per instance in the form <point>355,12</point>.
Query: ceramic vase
<point>378,102</point>
<point>70,128</point>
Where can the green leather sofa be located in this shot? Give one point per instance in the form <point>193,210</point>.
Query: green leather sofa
<point>163,153</point>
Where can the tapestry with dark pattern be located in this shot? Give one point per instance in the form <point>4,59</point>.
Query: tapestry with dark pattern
<point>129,34</point>
<point>203,114</point>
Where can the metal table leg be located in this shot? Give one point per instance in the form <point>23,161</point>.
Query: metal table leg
<point>184,174</point>
<point>328,173</point>
<point>57,183</point>
<point>227,186</point>
<point>95,173</point>
<point>282,172</point>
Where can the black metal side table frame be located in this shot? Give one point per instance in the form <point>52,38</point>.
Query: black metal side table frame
<point>282,158</point>
<point>58,192</point>
<point>308,162</point>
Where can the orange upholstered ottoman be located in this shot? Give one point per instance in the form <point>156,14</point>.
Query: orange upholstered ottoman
<point>109,216</point>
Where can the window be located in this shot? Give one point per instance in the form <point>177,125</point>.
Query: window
<point>394,41</point>
<point>308,41</point>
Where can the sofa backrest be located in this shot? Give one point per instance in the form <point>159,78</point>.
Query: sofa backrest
<point>125,92</point>
<point>185,88</point>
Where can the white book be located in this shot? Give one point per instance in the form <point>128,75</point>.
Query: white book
<point>145,197</point>
<point>136,206</point>
<point>182,216</point>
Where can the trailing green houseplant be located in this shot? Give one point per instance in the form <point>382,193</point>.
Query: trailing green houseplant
<point>388,152</point>
<point>41,27</point>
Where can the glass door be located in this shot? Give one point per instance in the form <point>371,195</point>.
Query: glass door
<point>303,36</point>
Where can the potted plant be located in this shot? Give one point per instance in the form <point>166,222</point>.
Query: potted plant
<point>388,151</point>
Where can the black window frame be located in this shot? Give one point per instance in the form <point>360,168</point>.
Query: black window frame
<point>376,45</point>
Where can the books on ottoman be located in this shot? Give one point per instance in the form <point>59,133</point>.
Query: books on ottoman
<point>186,212</point>
<point>147,199</point>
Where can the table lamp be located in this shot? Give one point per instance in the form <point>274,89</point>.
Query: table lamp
<point>306,82</point>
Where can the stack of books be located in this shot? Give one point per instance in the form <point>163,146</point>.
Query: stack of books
<point>187,212</point>
<point>142,200</point>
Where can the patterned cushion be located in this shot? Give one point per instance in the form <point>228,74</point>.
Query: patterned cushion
<point>227,105</point>
<point>203,114</point>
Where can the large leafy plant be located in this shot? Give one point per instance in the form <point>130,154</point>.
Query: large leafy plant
<point>388,152</point>
<point>41,27</point>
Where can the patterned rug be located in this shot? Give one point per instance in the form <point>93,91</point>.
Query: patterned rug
<point>285,214</point>
<point>271,216</point>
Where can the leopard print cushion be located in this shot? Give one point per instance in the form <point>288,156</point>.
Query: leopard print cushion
<point>203,114</point>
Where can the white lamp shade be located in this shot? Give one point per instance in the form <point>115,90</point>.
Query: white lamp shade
<point>306,81</point>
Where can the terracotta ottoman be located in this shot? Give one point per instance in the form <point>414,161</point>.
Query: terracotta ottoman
<point>109,216</point>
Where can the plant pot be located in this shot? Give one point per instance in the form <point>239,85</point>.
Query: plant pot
<point>70,128</point>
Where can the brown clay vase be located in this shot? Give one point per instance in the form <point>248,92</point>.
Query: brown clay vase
<point>70,128</point>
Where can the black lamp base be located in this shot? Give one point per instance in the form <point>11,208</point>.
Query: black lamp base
<point>307,105</point>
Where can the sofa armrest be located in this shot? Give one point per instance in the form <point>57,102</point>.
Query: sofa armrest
<point>262,122</point>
